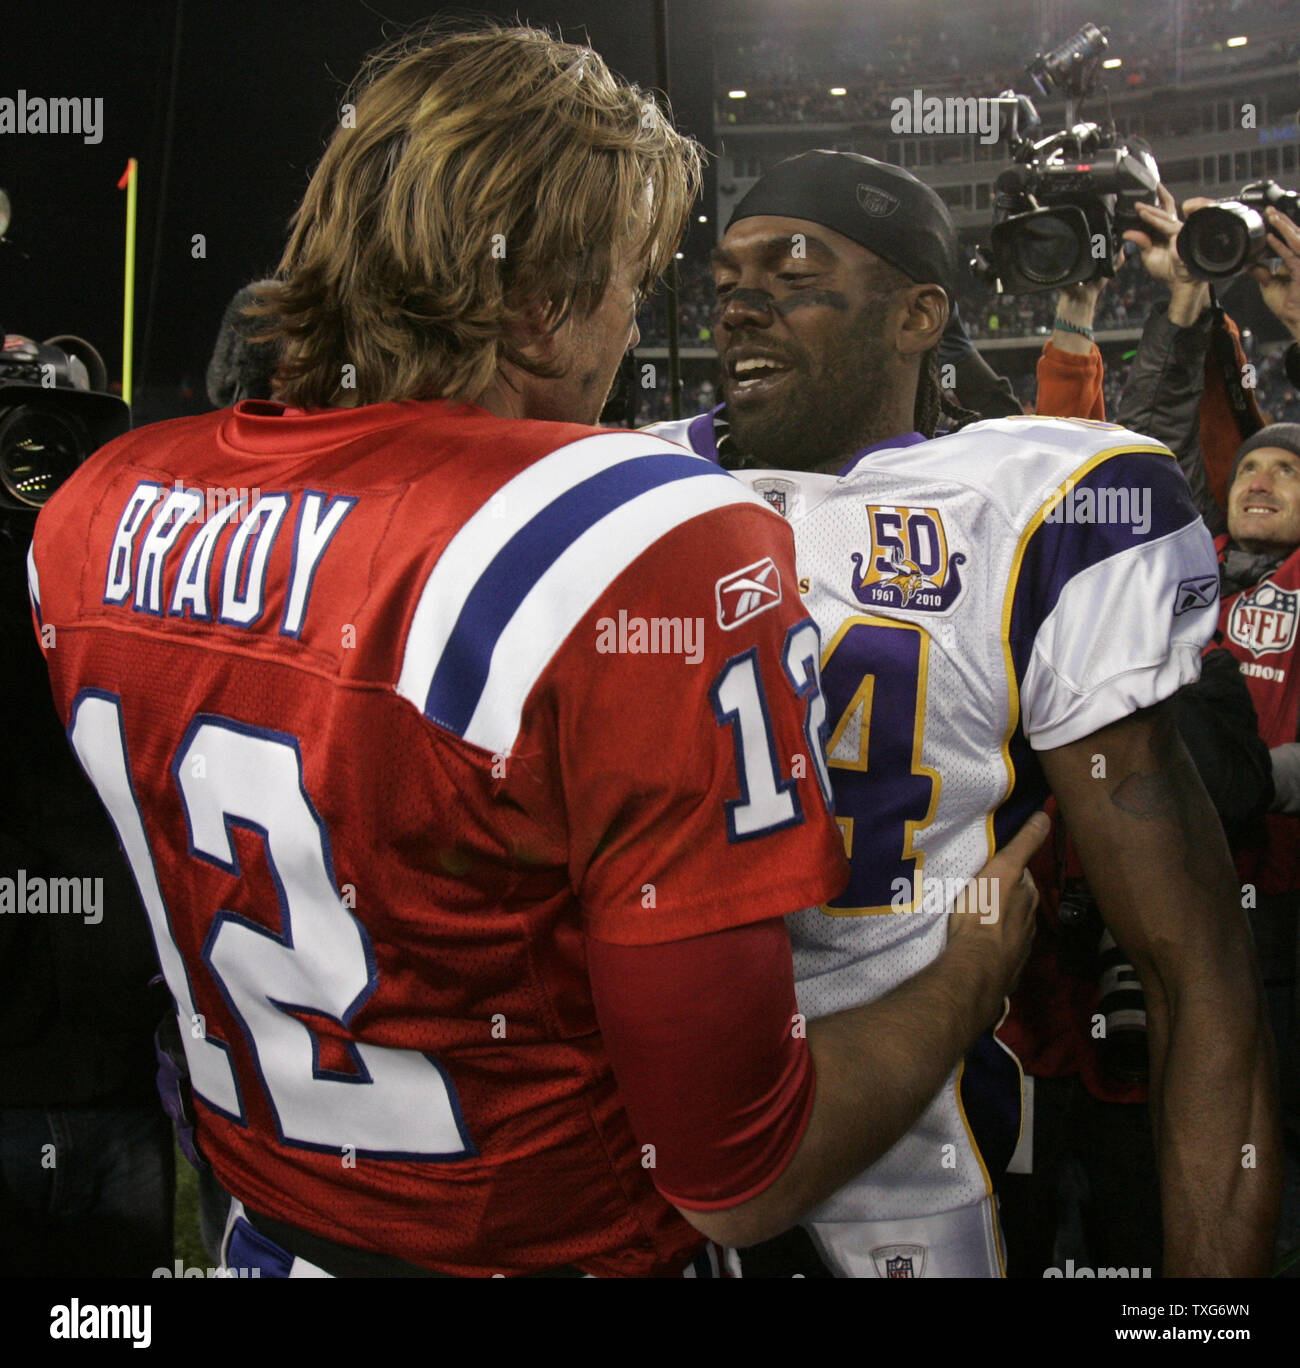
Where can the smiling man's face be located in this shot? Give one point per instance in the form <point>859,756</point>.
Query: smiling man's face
<point>1264,501</point>
<point>804,326</point>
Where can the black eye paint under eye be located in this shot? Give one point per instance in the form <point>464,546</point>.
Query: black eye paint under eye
<point>831,299</point>
<point>764,300</point>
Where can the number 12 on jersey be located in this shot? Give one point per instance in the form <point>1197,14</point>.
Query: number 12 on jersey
<point>389,1103</point>
<point>767,802</point>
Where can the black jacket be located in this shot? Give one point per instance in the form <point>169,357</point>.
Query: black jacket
<point>1162,396</point>
<point>77,1013</point>
<point>1216,719</point>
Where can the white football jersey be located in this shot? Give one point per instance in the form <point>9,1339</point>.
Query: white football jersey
<point>1008,588</point>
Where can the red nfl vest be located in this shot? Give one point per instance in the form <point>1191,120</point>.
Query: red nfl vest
<point>1259,627</point>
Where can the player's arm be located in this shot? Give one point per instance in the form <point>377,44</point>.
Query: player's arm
<point>1157,861</point>
<point>752,1126</point>
<point>696,811</point>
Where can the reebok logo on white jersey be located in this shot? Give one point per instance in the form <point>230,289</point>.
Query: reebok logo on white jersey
<point>1199,592</point>
<point>745,593</point>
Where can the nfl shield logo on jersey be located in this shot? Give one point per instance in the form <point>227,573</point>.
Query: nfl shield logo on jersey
<point>1264,620</point>
<point>779,493</point>
<point>899,1261</point>
<point>908,565</point>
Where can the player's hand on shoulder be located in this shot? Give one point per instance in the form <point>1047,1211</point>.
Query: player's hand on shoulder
<point>992,921</point>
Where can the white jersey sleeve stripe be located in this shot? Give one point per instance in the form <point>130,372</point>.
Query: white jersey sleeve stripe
<point>1122,565</point>
<point>480,540</point>
<point>567,590</point>
<point>33,581</point>
<point>1078,683</point>
<point>477,620</point>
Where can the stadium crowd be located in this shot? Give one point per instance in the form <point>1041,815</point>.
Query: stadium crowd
<point>275,1209</point>
<point>787,78</point>
<point>1125,303</point>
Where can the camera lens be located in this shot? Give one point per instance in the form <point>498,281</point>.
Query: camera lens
<point>39,449</point>
<point>1219,240</point>
<point>1046,249</point>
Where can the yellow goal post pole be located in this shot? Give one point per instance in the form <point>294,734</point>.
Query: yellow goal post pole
<point>128,183</point>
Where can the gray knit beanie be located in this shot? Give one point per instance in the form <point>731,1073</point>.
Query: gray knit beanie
<point>1286,436</point>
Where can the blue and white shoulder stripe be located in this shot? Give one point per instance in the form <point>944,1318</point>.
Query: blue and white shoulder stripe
<point>526,567</point>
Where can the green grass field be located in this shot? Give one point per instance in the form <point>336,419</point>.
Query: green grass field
<point>188,1246</point>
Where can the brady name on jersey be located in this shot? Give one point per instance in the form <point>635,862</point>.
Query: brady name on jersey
<point>371,768</point>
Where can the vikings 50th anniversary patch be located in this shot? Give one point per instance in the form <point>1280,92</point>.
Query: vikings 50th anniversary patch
<point>909,564</point>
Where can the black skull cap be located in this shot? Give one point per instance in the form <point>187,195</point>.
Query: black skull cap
<point>879,206</point>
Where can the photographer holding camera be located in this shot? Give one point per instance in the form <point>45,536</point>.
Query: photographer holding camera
<point>86,1156</point>
<point>1165,393</point>
<point>1254,507</point>
<point>1078,1019</point>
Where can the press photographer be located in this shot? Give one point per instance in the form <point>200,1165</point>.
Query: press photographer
<point>1061,209</point>
<point>86,1169</point>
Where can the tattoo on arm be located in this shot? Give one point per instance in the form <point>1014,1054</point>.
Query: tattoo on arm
<point>1170,791</point>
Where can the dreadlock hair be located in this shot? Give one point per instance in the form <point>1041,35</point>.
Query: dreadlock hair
<point>931,402</point>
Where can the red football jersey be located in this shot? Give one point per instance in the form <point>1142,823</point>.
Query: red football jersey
<point>390,707</point>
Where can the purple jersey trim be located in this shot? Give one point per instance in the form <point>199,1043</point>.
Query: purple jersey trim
<point>700,436</point>
<point>1054,555</point>
<point>1060,550</point>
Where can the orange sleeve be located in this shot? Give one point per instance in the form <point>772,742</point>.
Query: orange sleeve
<point>1070,386</point>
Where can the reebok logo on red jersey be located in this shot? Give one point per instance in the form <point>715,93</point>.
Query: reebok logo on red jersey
<point>746,593</point>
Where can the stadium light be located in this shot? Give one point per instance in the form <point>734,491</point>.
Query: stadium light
<point>1238,42</point>
<point>1112,62</point>
<point>736,94</point>
<point>838,90</point>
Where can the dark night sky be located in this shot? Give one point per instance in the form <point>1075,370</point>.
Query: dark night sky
<point>256,96</point>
